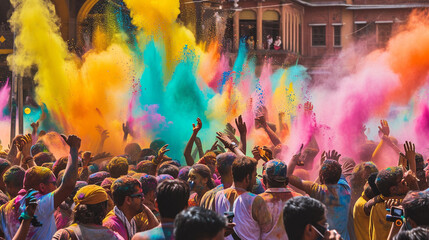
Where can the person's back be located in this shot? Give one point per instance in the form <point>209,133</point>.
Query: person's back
<point>246,226</point>
<point>168,209</point>
<point>276,196</point>
<point>85,231</point>
<point>336,198</point>
<point>362,208</point>
<point>251,215</point>
<point>391,184</point>
<point>276,199</point>
<point>223,166</point>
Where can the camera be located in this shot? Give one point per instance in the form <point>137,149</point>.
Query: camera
<point>229,216</point>
<point>396,215</point>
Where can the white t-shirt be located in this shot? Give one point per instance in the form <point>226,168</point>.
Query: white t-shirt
<point>44,212</point>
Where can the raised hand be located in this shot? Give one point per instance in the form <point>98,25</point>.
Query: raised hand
<point>161,153</point>
<point>255,152</point>
<point>322,158</point>
<point>410,151</point>
<point>86,158</point>
<point>225,140</point>
<point>241,125</point>
<point>35,126</point>
<point>333,155</point>
<point>384,128</point>
<point>261,121</point>
<point>214,146</point>
<point>72,140</point>
<point>24,145</point>
<point>230,132</point>
<point>197,128</point>
<point>104,134</point>
<point>308,107</point>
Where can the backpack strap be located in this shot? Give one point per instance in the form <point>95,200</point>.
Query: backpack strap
<point>71,234</point>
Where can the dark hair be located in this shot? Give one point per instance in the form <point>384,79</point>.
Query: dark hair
<point>183,173</point>
<point>360,172</point>
<point>387,178</point>
<point>416,207</point>
<point>330,172</point>
<point>168,190</point>
<point>243,167</point>
<point>273,183</point>
<point>169,169</point>
<point>419,233</point>
<point>366,151</point>
<point>59,165</point>
<point>197,223</point>
<point>224,162</point>
<point>90,213</point>
<point>14,176</point>
<point>117,167</point>
<point>205,172</point>
<point>148,183</point>
<point>4,164</point>
<point>43,157</point>
<point>300,211</point>
<point>371,182</point>
<point>146,152</point>
<point>123,187</point>
<point>147,167</point>
<point>157,144</point>
<point>132,148</point>
<point>36,175</point>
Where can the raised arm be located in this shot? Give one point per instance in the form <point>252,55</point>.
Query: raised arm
<point>24,155</point>
<point>294,180</point>
<point>188,148</point>
<point>199,147</point>
<point>385,141</point>
<point>13,151</point>
<point>242,129</point>
<point>34,126</point>
<point>70,174</point>
<point>271,134</point>
<point>126,128</point>
<point>27,217</point>
<point>261,214</point>
<point>104,134</point>
<point>229,144</point>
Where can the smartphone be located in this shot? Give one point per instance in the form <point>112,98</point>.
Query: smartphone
<point>229,216</point>
<point>395,211</point>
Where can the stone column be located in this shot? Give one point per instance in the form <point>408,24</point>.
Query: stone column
<point>259,27</point>
<point>283,26</point>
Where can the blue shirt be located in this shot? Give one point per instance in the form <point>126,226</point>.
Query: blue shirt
<point>336,198</point>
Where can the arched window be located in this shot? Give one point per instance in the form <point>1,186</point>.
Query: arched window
<point>270,26</point>
<point>248,26</point>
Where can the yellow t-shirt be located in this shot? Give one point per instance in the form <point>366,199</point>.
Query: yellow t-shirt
<point>379,228</point>
<point>360,219</point>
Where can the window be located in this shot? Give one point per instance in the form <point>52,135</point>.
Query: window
<point>318,36</point>
<point>337,35</point>
<point>384,33</point>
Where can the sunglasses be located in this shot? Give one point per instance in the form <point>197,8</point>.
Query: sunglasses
<point>321,230</point>
<point>137,195</point>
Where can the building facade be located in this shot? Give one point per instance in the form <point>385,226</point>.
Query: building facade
<point>310,29</point>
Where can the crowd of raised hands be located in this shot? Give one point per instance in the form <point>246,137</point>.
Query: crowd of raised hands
<point>300,197</point>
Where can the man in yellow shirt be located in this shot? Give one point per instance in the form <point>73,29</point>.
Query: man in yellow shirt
<point>363,206</point>
<point>392,183</point>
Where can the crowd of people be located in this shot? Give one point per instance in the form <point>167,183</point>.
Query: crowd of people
<point>218,194</point>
